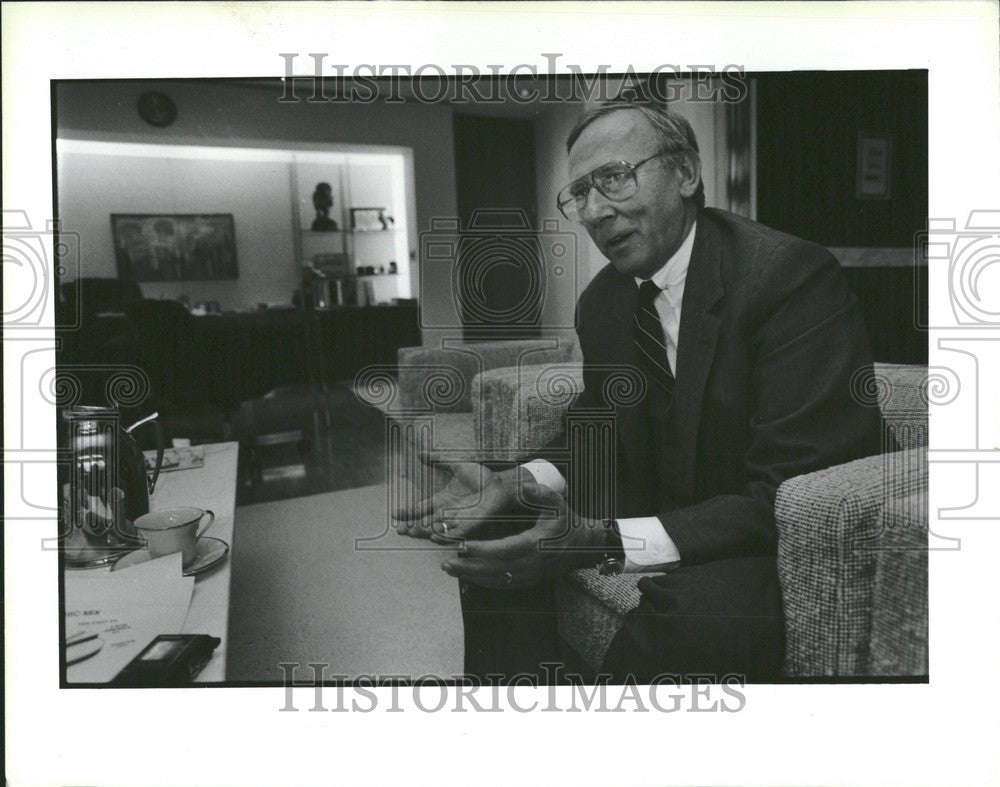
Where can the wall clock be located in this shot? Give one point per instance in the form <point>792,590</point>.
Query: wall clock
<point>157,109</point>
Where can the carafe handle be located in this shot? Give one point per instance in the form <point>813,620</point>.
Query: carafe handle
<point>151,482</point>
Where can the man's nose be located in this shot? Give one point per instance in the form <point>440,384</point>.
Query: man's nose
<point>598,207</point>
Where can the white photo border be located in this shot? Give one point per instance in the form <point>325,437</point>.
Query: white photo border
<point>941,732</point>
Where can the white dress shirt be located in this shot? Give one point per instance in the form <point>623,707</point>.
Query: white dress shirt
<point>644,540</point>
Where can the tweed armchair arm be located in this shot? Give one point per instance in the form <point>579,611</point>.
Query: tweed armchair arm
<point>899,617</point>
<point>519,409</point>
<point>829,549</point>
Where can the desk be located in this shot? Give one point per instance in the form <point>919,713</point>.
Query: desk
<point>222,360</point>
<point>303,593</point>
<point>210,486</point>
<point>237,357</point>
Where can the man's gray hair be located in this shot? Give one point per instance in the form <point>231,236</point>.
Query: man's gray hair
<point>675,133</point>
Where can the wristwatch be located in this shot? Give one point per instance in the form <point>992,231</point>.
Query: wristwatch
<point>613,561</point>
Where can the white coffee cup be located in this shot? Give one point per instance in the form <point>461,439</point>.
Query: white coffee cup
<point>174,530</point>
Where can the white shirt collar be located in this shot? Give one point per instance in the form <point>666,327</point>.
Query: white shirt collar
<point>675,269</point>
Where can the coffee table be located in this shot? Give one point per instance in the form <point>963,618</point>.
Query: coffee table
<point>323,579</point>
<point>211,486</point>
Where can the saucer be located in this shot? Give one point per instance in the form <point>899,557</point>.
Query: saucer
<point>208,553</point>
<point>80,551</point>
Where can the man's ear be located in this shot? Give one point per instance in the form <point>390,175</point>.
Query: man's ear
<point>689,176</point>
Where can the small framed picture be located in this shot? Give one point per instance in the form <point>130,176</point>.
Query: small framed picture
<point>368,219</point>
<point>333,265</point>
<point>874,166</point>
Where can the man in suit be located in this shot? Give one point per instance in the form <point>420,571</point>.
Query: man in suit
<point>746,344</point>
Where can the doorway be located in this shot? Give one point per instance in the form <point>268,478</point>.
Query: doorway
<point>498,279</point>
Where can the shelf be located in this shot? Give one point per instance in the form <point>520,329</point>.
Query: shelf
<point>320,233</point>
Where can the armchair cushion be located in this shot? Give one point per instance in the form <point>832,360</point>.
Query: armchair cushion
<point>592,609</point>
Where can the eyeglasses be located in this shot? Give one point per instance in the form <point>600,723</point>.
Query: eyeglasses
<point>615,181</point>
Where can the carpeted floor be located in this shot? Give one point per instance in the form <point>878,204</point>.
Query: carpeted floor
<point>343,452</point>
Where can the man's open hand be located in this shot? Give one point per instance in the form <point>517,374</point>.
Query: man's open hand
<point>559,541</point>
<point>471,501</point>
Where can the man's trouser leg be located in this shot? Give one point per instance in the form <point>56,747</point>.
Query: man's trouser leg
<point>719,618</point>
<point>509,632</point>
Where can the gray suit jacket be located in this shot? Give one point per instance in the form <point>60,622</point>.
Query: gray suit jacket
<point>771,352</point>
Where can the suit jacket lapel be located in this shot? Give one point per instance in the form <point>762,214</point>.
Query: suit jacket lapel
<point>696,341</point>
<point>630,420</point>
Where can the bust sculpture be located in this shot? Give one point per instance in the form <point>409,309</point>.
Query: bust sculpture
<point>323,200</point>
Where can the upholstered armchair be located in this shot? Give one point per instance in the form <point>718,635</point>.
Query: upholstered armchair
<point>851,539</point>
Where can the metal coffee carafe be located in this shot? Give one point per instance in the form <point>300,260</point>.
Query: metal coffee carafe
<point>109,486</point>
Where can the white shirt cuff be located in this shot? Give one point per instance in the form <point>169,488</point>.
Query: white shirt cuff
<point>546,474</point>
<point>646,543</point>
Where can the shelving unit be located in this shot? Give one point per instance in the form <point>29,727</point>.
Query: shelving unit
<point>357,180</point>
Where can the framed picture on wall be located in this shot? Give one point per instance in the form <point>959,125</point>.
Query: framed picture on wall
<point>175,246</point>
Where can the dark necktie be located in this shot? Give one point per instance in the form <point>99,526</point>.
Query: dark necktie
<point>651,343</point>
